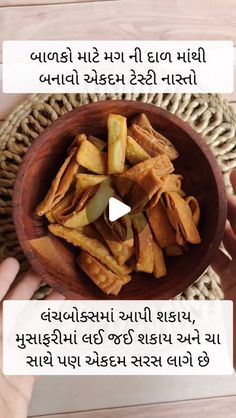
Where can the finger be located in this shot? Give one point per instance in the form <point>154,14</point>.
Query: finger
<point>231,212</point>
<point>233,180</point>
<point>55,296</point>
<point>220,262</point>
<point>8,271</point>
<point>229,241</point>
<point>25,289</point>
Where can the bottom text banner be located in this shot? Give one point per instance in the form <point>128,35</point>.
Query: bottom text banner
<point>117,337</point>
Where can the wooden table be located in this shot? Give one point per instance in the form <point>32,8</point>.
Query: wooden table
<point>124,19</point>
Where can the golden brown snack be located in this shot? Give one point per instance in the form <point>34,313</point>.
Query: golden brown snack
<point>121,229</point>
<point>154,140</point>
<point>62,206</point>
<point>161,227</point>
<point>139,197</point>
<point>195,209</point>
<point>99,143</point>
<point>169,183</point>
<point>90,157</point>
<point>60,185</point>
<point>91,245</point>
<point>121,252</point>
<point>84,181</point>
<point>117,140</point>
<point>134,152</point>
<point>94,204</point>
<point>159,269</point>
<point>105,279</point>
<point>160,164</point>
<point>183,217</point>
<point>143,243</point>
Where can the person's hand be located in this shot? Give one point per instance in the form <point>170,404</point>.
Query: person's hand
<point>223,265</point>
<point>15,391</point>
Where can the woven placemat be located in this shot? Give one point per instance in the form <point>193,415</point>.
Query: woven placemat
<point>208,114</point>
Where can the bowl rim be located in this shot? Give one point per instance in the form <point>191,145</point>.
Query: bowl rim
<point>181,124</point>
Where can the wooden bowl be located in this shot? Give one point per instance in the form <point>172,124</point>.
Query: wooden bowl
<point>202,178</point>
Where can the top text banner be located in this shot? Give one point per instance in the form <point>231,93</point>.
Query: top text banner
<point>118,66</point>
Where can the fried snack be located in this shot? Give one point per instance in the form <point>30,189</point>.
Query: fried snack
<point>60,184</point>
<point>99,143</point>
<point>93,208</point>
<point>162,230</point>
<point>76,205</point>
<point>180,240</point>
<point>62,206</point>
<point>52,252</point>
<point>161,143</point>
<point>121,229</point>
<point>89,156</point>
<point>159,269</point>
<point>84,181</point>
<point>134,153</point>
<point>174,250</point>
<point>117,140</point>
<point>183,217</point>
<point>144,243</point>
<point>169,183</point>
<point>195,209</point>
<point>140,196</point>
<point>76,143</point>
<point>121,252</point>
<point>105,279</point>
<point>93,246</point>
<point>160,164</point>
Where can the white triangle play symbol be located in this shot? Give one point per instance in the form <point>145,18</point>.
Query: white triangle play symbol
<point>117,209</point>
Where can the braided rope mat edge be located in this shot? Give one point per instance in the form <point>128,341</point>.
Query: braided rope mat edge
<point>208,114</point>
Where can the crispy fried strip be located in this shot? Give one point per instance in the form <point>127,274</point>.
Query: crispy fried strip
<point>170,183</point>
<point>121,228</point>
<point>121,252</point>
<point>134,152</point>
<point>60,185</point>
<point>161,164</point>
<point>78,203</point>
<point>105,279</point>
<point>159,269</point>
<point>195,209</point>
<point>140,196</point>
<point>84,181</point>
<point>174,250</point>
<point>161,227</point>
<point>160,144</point>
<point>117,140</point>
<point>144,243</point>
<point>76,143</point>
<point>91,158</point>
<point>99,143</point>
<point>94,206</point>
<point>62,206</point>
<point>93,246</point>
<point>183,216</point>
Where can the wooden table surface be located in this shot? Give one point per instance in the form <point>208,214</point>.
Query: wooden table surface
<point>123,19</point>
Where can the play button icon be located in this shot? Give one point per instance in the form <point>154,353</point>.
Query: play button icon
<point>117,209</point>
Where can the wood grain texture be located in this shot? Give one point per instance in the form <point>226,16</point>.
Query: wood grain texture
<point>42,162</point>
<point>121,19</point>
<point>210,408</point>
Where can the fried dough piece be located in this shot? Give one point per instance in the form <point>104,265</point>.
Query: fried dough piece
<point>160,164</point>
<point>77,204</point>
<point>91,245</point>
<point>99,143</point>
<point>174,250</point>
<point>140,196</point>
<point>159,269</point>
<point>94,207</point>
<point>117,141</point>
<point>144,243</point>
<point>195,209</point>
<point>84,181</point>
<point>161,227</point>
<point>90,157</point>
<point>62,206</point>
<point>134,152</point>
<point>183,216</point>
<point>169,183</point>
<point>121,228</point>
<point>60,185</point>
<point>121,252</point>
<point>105,279</point>
<point>152,141</point>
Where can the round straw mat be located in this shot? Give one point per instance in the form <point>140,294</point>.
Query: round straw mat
<point>208,114</point>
